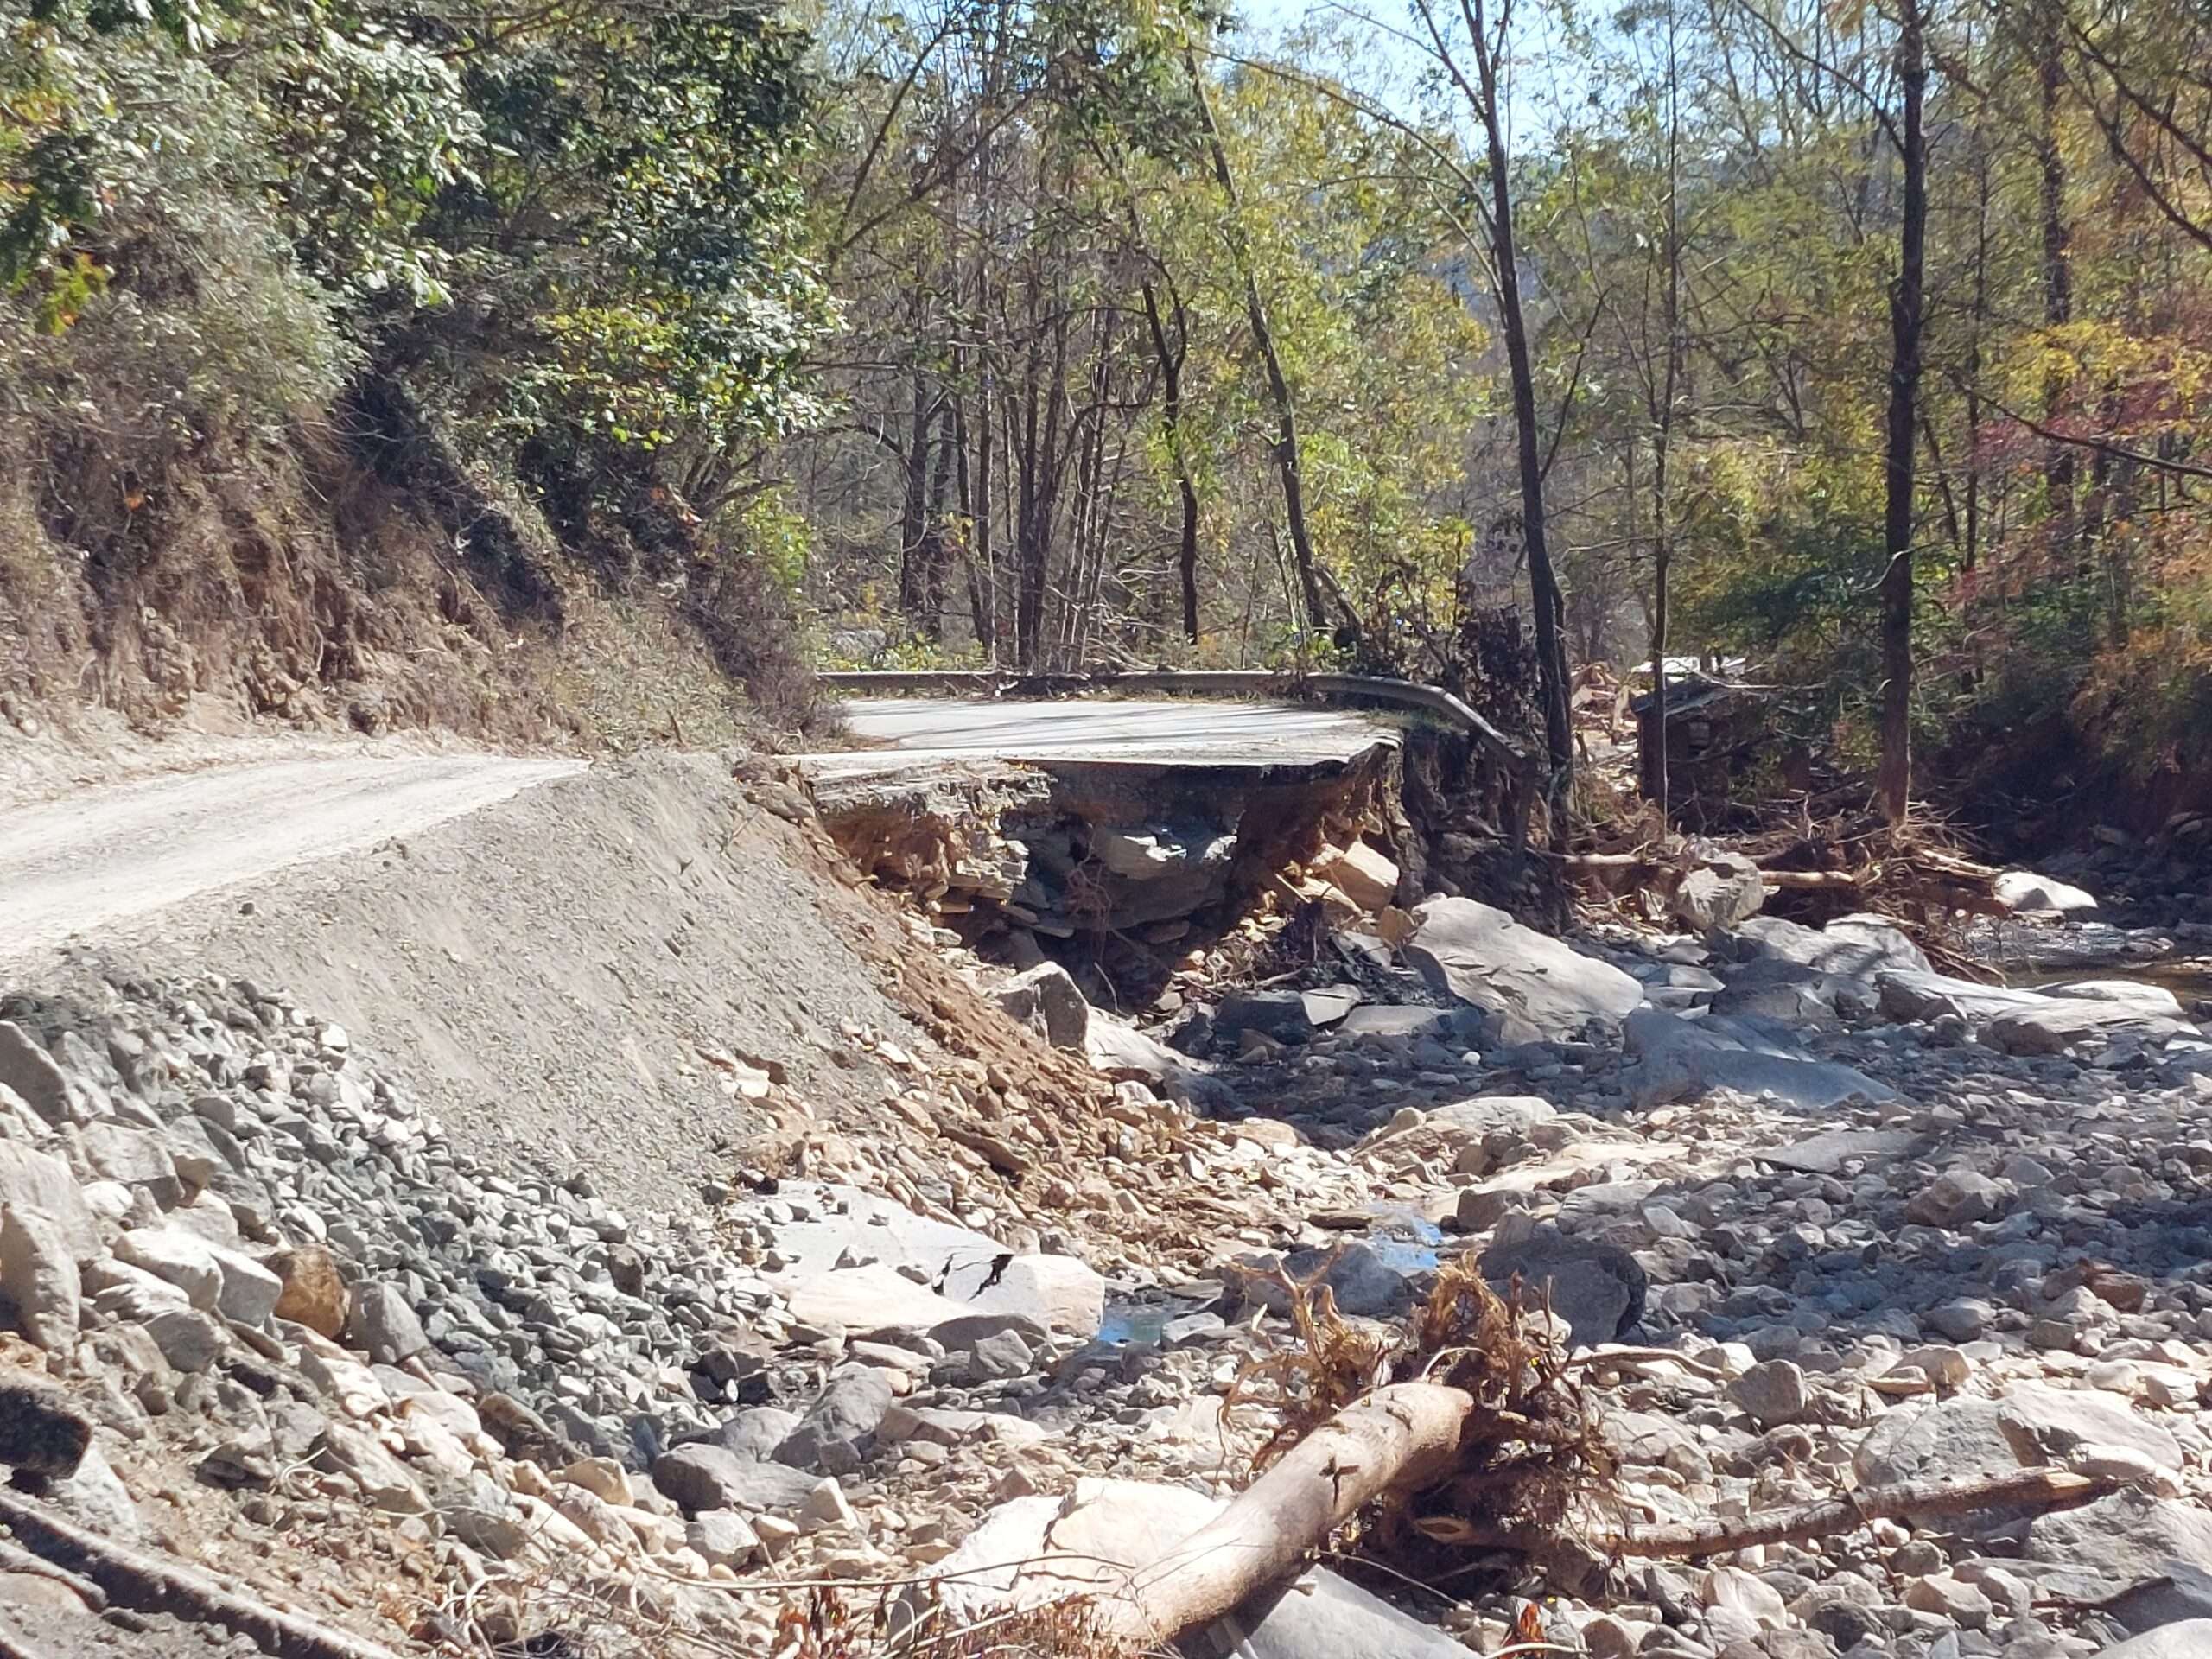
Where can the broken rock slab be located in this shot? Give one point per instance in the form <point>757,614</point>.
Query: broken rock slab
<point>1540,989</point>
<point>1686,1059</point>
<point>1859,946</point>
<point>2057,1024</point>
<point>1366,877</point>
<point>877,1302</point>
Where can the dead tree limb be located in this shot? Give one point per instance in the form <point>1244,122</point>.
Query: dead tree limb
<point>2039,1489</point>
<point>1401,1437</point>
<point>147,1584</point>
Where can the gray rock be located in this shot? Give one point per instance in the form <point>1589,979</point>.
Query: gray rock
<point>382,1323</point>
<point>138,1158</point>
<point>753,1434</point>
<point>839,1428</point>
<point>1724,892</point>
<point>1773,1393</point>
<point>175,1257</point>
<point>1958,1197</point>
<point>1278,1014</point>
<point>2057,1024</point>
<point>999,1357</point>
<point>2045,1425</point>
<point>701,1478</point>
<point>39,1276</point>
<point>1830,1151</point>
<point>1685,1060</point>
<point>32,1073</point>
<point>1859,946</point>
<point>2191,1639</point>
<point>2093,1551</point>
<point>1963,1318</point>
<point>1046,999</point>
<point>722,1538</point>
<point>1957,1440</point>
<point>94,1497</point>
<point>383,1479</point>
<point>38,1183</point>
<point>188,1340</point>
<point>1597,1288</point>
<point>1539,987</point>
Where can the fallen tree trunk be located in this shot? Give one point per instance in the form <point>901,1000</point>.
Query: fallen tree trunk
<point>1401,1437</point>
<point>2038,1490</point>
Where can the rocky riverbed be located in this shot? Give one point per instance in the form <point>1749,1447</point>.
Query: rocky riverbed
<point>1821,1218</point>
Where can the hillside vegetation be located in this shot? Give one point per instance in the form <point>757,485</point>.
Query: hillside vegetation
<point>555,368</point>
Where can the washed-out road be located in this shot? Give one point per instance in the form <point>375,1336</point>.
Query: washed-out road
<point>1107,731</point>
<point>110,853</point>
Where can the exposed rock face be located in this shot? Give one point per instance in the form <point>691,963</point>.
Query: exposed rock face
<point>1539,987</point>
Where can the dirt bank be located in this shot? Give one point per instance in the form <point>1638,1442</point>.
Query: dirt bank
<point>545,972</point>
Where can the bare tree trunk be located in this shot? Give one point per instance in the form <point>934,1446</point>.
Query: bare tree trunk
<point>1662,537</point>
<point>1170,355</point>
<point>1402,1436</point>
<point>1287,463</point>
<point>2057,266</point>
<point>1543,581</point>
<point>1907,307</point>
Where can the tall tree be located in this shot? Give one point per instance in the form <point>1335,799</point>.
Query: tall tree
<point>1908,322</point>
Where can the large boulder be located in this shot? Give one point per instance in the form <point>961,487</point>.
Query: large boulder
<point>1597,1288</point>
<point>1540,988</point>
<point>1962,1440</point>
<point>1046,999</point>
<point>1686,1059</point>
<point>876,1301</point>
<point>42,1183</point>
<point>1059,1293</point>
<point>39,1274</point>
<point>702,1476</point>
<point>33,1074</point>
<point>2116,1542</point>
<point>839,1428</point>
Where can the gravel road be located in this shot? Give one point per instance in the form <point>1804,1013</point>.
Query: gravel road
<point>108,855</point>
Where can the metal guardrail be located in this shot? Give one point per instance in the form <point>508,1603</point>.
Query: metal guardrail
<point>1221,683</point>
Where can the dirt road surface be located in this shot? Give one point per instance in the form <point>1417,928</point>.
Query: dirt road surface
<point>85,862</point>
